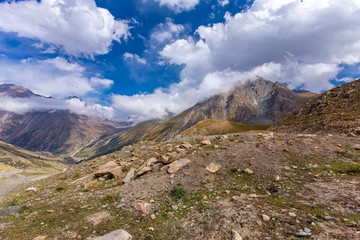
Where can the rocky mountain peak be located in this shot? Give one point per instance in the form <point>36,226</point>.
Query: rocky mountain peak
<point>15,91</point>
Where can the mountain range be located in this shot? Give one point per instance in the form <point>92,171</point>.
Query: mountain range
<point>60,132</point>
<point>258,101</point>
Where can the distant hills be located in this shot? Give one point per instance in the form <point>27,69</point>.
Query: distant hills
<point>334,111</point>
<point>256,102</point>
<point>57,131</point>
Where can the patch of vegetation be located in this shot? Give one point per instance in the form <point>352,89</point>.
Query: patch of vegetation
<point>178,193</point>
<point>346,168</point>
<point>109,198</point>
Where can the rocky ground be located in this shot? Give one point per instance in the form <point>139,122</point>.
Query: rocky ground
<point>243,186</point>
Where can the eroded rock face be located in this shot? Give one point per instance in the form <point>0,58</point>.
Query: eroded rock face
<point>116,235</point>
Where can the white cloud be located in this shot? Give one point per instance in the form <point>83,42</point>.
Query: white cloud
<point>74,105</point>
<point>78,26</point>
<point>298,43</point>
<point>179,5</point>
<point>52,77</point>
<point>134,57</point>
<point>223,2</point>
<point>166,32</point>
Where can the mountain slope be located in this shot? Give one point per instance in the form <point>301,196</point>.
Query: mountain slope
<point>57,131</point>
<point>18,158</point>
<point>335,111</point>
<point>256,102</point>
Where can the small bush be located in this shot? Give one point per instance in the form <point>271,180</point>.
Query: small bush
<point>178,193</point>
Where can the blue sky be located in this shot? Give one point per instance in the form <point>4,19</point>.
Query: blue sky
<point>142,59</point>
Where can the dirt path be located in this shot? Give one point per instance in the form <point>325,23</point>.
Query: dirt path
<point>11,179</point>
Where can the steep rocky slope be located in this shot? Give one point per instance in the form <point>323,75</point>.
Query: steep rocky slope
<point>250,185</point>
<point>335,111</point>
<point>57,131</point>
<point>255,102</point>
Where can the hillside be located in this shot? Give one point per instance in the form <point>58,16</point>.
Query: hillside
<point>217,127</point>
<point>239,186</point>
<point>57,131</point>
<point>335,111</point>
<point>256,102</point>
<point>12,157</point>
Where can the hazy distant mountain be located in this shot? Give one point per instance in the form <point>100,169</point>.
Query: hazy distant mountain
<point>57,131</point>
<point>259,101</point>
<point>335,111</point>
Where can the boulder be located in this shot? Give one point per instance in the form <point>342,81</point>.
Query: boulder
<point>177,165</point>
<point>130,175</point>
<point>108,170</point>
<point>116,235</point>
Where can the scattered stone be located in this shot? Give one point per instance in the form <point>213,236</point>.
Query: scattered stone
<point>236,235</point>
<point>306,232</point>
<point>286,168</point>
<point>277,178</point>
<point>248,171</point>
<point>88,178</point>
<point>144,208</point>
<point>99,217</point>
<point>177,165</point>
<point>205,142</point>
<point>290,142</point>
<point>32,189</point>
<point>213,168</point>
<point>40,238</point>
<point>153,216</point>
<point>116,235</point>
<point>265,217</point>
<point>151,229</point>
<point>291,214</point>
<point>50,211</point>
<point>130,175</point>
<point>12,210</point>
<point>151,162</point>
<point>356,147</point>
<point>216,146</point>
<point>175,207</point>
<point>186,145</point>
<point>142,171</point>
<point>108,171</point>
<point>328,218</point>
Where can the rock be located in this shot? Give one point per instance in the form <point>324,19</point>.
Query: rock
<point>236,235</point>
<point>185,145</point>
<point>328,218</point>
<point>265,217</point>
<point>130,175</point>
<point>144,208</point>
<point>50,211</point>
<point>286,168</point>
<point>356,147</point>
<point>306,232</point>
<point>99,217</point>
<point>108,170</point>
<point>177,165</point>
<point>291,214</point>
<point>153,216</point>
<point>213,168</point>
<point>116,235</point>
<point>83,180</point>
<point>32,189</point>
<point>205,142</point>
<point>248,171</point>
<point>277,178</point>
<point>290,142</point>
<point>142,171</point>
<point>39,238</point>
<point>151,162</point>
<point>12,210</point>
<point>174,207</point>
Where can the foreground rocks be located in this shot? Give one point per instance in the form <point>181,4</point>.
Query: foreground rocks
<point>246,188</point>
<point>115,235</point>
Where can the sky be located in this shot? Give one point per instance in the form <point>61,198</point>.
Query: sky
<point>135,60</point>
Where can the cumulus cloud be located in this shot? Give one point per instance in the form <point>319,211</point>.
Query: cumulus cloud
<point>179,5</point>
<point>134,57</point>
<point>74,105</point>
<point>303,44</point>
<point>166,32</point>
<point>78,26</point>
<point>223,2</point>
<point>56,77</point>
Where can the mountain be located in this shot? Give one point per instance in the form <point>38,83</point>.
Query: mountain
<point>57,131</point>
<point>256,102</point>
<point>12,157</point>
<point>335,111</point>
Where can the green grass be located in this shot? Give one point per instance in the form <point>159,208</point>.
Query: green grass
<point>346,168</point>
